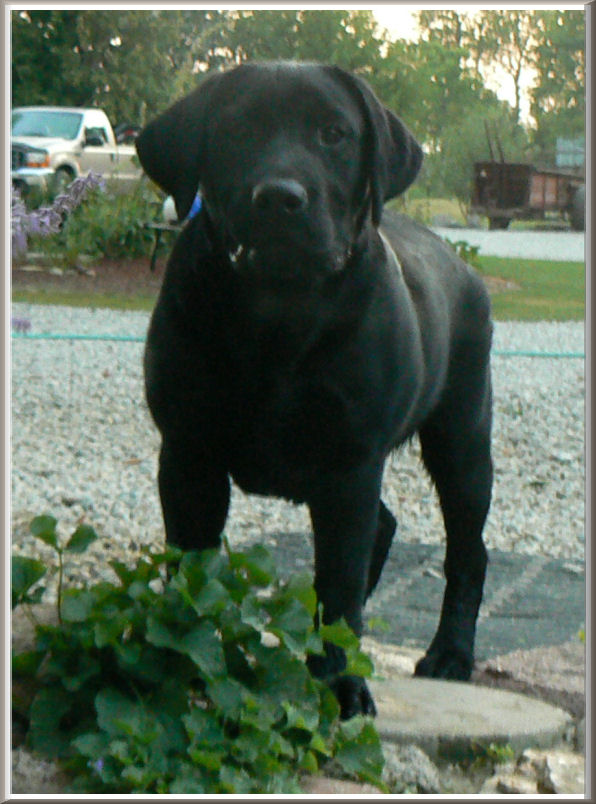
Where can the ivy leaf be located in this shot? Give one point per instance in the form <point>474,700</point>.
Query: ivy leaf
<point>24,573</point>
<point>203,727</point>
<point>44,528</point>
<point>292,623</point>
<point>80,540</point>
<point>27,663</point>
<point>318,744</point>
<point>301,588</point>
<point>228,695</point>
<point>257,563</point>
<point>253,613</point>
<point>309,763</point>
<point>359,749</point>
<point>211,599</point>
<point>358,663</point>
<point>200,643</point>
<point>210,760</point>
<point>117,714</point>
<point>301,717</point>
<point>87,668</point>
<point>47,710</point>
<point>76,605</point>
<point>339,633</point>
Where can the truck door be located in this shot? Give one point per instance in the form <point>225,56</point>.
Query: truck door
<point>98,155</point>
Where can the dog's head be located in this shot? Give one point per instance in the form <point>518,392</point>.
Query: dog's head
<point>290,159</point>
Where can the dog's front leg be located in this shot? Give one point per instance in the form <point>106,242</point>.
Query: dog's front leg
<point>195,492</point>
<point>344,512</point>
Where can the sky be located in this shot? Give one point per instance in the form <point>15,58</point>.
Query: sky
<point>398,19</point>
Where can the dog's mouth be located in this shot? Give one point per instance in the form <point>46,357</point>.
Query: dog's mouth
<point>283,259</point>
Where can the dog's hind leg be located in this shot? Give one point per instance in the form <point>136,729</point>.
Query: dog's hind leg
<point>195,495</point>
<point>383,539</point>
<point>456,451</point>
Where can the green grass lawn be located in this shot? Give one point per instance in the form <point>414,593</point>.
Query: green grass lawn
<point>544,291</point>
<point>71,298</point>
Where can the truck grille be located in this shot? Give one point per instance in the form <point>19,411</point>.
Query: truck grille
<point>17,158</point>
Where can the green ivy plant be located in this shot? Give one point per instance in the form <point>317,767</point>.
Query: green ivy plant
<point>466,251</point>
<point>187,675</point>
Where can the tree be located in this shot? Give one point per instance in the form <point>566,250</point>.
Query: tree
<point>347,38</point>
<point>41,44</point>
<point>512,46</point>
<point>558,97</point>
<point>131,63</point>
<point>486,38</point>
<point>467,142</point>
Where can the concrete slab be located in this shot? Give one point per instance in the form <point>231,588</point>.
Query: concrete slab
<point>446,719</point>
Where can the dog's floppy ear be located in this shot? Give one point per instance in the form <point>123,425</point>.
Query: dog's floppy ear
<point>394,155</point>
<point>171,147</point>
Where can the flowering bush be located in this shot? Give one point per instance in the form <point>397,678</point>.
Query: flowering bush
<point>107,225</point>
<point>49,219</point>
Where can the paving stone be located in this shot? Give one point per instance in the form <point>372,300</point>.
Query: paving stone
<point>559,771</point>
<point>326,785</point>
<point>409,770</point>
<point>446,719</point>
<point>543,772</point>
<point>510,783</point>
<point>580,736</point>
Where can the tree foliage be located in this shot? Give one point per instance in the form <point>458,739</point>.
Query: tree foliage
<point>130,63</point>
<point>558,99</point>
<point>134,63</point>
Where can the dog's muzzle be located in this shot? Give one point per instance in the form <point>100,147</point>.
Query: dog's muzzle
<point>279,199</point>
<point>279,243</point>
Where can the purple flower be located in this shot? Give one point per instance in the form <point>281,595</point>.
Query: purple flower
<point>20,324</point>
<point>99,765</point>
<point>48,220</point>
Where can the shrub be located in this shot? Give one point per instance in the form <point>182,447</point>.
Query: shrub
<point>109,225</point>
<point>162,682</point>
<point>49,220</point>
<point>466,251</point>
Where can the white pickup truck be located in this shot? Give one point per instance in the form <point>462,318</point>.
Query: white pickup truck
<point>52,145</point>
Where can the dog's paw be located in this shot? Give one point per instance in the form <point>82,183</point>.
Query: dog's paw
<point>353,696</point>
<point>448,664</point>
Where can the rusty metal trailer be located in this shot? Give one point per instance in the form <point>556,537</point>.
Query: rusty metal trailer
<point>504,191</point>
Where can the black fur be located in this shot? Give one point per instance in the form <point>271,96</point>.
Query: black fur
<point>290,349</point>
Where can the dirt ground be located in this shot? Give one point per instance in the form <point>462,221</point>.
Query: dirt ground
<point>106,276</point>
<point>127,277</point>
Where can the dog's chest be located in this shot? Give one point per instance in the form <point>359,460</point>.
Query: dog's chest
<point>287,429</point>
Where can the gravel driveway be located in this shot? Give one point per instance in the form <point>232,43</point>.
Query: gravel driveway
<point>543,245</point>
<point>83,445</point>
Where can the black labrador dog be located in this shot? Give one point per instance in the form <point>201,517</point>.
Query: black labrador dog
<point>294,343</point>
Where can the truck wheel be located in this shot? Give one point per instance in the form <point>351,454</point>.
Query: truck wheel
<point>577,210</point>
<point>498,223</point>
<point>62,178</point>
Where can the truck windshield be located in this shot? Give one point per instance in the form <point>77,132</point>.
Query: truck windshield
<point>41,123</point>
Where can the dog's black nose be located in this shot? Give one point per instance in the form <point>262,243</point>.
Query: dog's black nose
<point>279,195</point>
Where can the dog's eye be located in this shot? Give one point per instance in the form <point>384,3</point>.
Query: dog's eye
<point>332,134</point>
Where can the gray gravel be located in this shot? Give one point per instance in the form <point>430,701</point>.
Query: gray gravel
<point>538,245</point>
<point>84,447</point>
